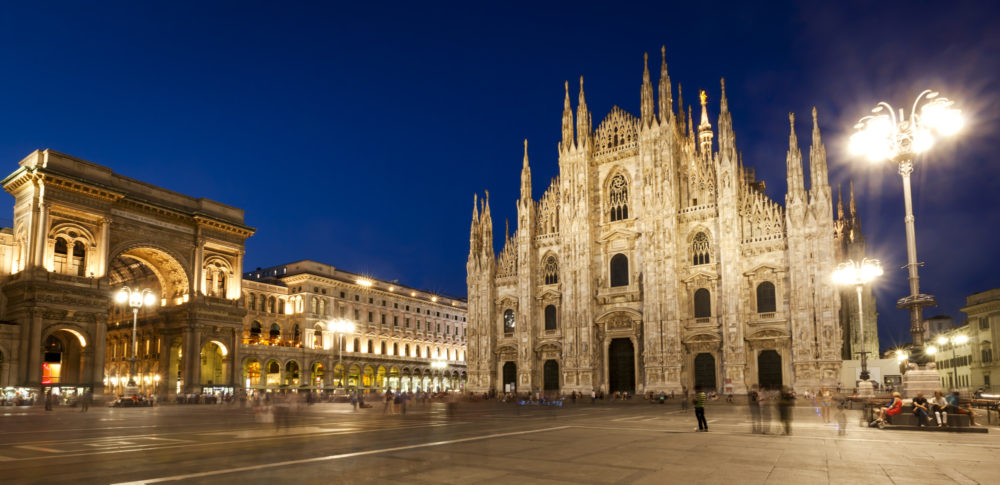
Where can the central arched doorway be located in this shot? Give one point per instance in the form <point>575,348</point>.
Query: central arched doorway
<point>509,377</point>
<point>704,372</point>
<point>769,369</point>
<point>621,366</point>
<point>550,375</point>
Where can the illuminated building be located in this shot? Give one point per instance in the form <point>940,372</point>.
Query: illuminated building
<point>655,262</point>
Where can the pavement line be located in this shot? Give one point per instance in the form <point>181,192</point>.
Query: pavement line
<point>335,457</point>
<point>6,458</point>
<point>39,448</point>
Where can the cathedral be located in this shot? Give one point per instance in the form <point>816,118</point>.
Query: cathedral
<point>655,261</point>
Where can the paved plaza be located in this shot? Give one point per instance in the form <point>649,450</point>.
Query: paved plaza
<point>631,442</point>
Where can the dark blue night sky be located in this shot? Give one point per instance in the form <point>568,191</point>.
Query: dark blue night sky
<point>356,136</point>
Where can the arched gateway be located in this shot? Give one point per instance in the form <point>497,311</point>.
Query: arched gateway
<point>81,233</point>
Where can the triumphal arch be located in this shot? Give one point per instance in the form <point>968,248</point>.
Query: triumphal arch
<point>80,233</point>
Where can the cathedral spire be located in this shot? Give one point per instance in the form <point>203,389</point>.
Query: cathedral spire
<point>486,225</point>
<point>680,107</point>
<point>690,125</point>
<point>646,106</point>
<point>840,203</point>
<point>567,122</point>
<point>666,98</point>
<point>705,128</point>
<point>853,207</point>
<point>474,230</point>
<point>796,184</point>
<point>817,159</point>
<point>525,175</point>
<point>727,139</point>
<point>582,120</point>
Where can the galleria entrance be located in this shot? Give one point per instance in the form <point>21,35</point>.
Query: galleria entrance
<point>704,372</point>
<point>621,366</point>
<point>769,369</point>
<point>95,232</point>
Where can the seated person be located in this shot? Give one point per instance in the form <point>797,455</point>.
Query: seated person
<point>955,408</point>
<point>940,408</point>
<point>921,409</point>
<point>894,407</point>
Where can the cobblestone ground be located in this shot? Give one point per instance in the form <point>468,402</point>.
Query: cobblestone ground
<point>632,442</point>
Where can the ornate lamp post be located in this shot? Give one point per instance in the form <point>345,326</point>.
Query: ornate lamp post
<point>885,136</point>
<point>954,340</point>
<point>340,327</point>
<point>859,274</point>
<point>135,299</point>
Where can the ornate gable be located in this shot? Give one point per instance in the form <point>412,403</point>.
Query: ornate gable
<point>617,135</point>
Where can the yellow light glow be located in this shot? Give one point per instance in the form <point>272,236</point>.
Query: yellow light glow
<point>365,283</point>
<point>121,296</point>
<point>392,288</point>
<point>961,339</point>
<point>942,340</point>
<point>931,350</point>
<point>434,298</point>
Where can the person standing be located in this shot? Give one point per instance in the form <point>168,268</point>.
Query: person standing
<point>699,409</point>
<point>825,402</point>
<point>753,402</point>
<point>85,401</point>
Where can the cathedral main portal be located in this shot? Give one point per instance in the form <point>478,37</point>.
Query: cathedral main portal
<point>621,366</point>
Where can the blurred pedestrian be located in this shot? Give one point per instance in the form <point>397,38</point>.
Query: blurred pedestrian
<point>699,409</point>
<point>85,401</point>
<point>753,403</point>
<point>787,400</point>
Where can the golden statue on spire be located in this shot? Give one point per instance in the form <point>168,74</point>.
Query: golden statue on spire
<point>703,96</point>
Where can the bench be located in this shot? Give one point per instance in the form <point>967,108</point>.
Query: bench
<point>907,421</point>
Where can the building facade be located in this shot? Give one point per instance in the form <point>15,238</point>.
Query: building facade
<point>81,233</point>
<point>974,364</point>
<point>655,261</point>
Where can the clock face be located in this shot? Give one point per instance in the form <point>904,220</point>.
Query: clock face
<point>508,321</point>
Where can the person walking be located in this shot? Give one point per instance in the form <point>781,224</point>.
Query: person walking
<point>753,402</point>
<point>787,400</point>
<point>699,409</point>
<point>85,401</point>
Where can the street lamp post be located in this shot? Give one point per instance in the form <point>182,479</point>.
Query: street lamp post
<point>954,340</point>
<point>135,299</point>
<point>340,327</point>
<point>859,274</point>
<point>884,136</point>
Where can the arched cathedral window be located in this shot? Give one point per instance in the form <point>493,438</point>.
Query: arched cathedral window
<point>550,317</point>
<point>551,271</point>
<point>700,249</point>
<point>619,270</point>
<point>508,322</point>
<point>702,303</point>
<point>765,297</point>
<point>618,198</point>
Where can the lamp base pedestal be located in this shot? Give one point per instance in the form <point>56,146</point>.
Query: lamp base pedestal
<point>866,388</point>
<point>920,379</point>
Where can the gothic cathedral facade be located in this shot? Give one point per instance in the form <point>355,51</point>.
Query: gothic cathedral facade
<point>655,263</point>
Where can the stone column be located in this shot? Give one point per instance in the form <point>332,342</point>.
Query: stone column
<point>33,356</point>
<point>99,348</point>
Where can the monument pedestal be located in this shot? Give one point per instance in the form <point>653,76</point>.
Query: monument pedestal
<point>866,389</point>
<point>924,380</point>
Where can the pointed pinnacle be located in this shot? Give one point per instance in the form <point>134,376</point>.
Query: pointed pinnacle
<point>566,101</point>
<point>793,141</point>
<point>525,153</point>
<point>645,67</point>
<point>723,102</point>
<point>582,99</point>
<point>815,132</point>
